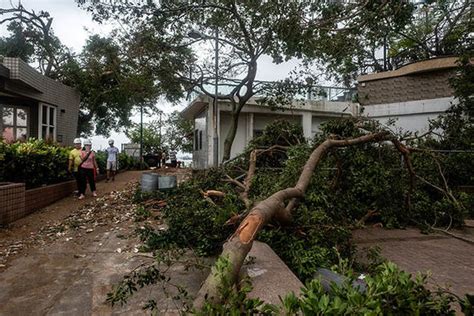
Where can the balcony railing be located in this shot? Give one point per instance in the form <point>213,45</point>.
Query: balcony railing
<point>314,93</point>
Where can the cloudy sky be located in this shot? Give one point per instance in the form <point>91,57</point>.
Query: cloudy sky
<point>73,26</point>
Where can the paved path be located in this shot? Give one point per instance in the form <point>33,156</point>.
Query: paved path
<point>451,261</point>
<point>74,251</point>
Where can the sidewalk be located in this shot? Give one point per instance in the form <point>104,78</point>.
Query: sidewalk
<point>74,251</point>
<point>21,231</point>
<point>450,260</point>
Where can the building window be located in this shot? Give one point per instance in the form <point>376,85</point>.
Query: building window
<point>47,122</point>
<point>200,140</point>
<point>15,121</point>
<point>196,139</point>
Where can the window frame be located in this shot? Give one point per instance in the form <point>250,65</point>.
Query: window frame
<point>48,124</point>
<point>15,125</point>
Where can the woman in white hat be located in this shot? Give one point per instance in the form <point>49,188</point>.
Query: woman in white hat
<point>87,169</point>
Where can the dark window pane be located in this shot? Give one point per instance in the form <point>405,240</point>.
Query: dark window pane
<point>7,134</point>
<point>51,133</point>
<point>44,132</point>
<point>51,116</point>
<point>21,117</point>
<point>21,133</point>
<point>196,139</point>
<point>200,140</point>
<point>45,115</point>
<point>7,115</point>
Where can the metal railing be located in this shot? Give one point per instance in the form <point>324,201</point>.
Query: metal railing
<point>310,92</point>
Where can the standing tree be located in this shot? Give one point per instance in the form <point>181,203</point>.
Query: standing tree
<point>245,32</point>
<point>33,40</point>
<point>152,140</point>
<point>110,73</point>
<point>415,32</point>
<point>179,133</point>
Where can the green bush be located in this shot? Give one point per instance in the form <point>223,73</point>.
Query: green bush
<point>38,163</point>
<point>34,162</point>
<point>194,222</point>
<point>125,162</point>
<point>389,291</point>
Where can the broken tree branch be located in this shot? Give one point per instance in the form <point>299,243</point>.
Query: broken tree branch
<point>215,193</point>
<point>239,244</point>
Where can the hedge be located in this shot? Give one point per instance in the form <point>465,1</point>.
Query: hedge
<point>38,163</point>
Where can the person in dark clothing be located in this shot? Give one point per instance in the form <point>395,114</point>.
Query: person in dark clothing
<point>173,159</point>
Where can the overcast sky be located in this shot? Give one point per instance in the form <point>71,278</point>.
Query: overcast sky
<point>73,26</point>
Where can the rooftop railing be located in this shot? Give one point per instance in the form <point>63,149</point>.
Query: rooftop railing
<point>313,93</point>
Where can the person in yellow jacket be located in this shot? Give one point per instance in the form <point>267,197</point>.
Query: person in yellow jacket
<point>74,162</point>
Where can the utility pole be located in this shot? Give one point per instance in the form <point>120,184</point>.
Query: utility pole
<point>215,108</point>
<point>160,128</point>
<point>141,136</point>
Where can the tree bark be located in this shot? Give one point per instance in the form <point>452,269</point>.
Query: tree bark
<point>229,139</point>
<point>240,243</point>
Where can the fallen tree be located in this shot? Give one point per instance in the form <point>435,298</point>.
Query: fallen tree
<point>239,244</point>
<point>369,186</point>
<point>280,204</point>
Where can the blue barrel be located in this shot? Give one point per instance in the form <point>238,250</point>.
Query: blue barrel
<point>149,182</point>
<point>167,182</point>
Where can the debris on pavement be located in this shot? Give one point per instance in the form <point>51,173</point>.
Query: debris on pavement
<point>109,210</point>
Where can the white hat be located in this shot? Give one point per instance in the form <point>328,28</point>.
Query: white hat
<point>77,141</point>
<point>87,142</point>
<point>111,141</point>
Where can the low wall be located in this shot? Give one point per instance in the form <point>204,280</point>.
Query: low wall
<point>12,202</point>
<point>38,198</point>
<point>16,202</point>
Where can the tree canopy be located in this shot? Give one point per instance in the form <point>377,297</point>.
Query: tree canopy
<point>111,74</point>
<point>174,132</point>
<point>244,31</point>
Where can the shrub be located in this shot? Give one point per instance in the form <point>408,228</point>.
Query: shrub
<point>194,222</point>
<point>38,163</point>
<point>34,162</point>
<point>125,162</point>
<point>389,291</point>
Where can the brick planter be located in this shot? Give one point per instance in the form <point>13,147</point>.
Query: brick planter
<point>12,202</point>
<point>38,198</point>
<point>16,202</point>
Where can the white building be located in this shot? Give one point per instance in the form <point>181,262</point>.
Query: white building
<point>252,120</point>
<point>412,95</point>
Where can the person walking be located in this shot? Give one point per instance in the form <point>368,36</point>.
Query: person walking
<point>87,169</point>
<point>112,160</point>
<point>74,162</point>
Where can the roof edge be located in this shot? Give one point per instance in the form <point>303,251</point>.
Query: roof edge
<point>428,65</point>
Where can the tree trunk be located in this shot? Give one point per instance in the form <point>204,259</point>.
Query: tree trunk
<point>237,247</point>
<point>229,139</point>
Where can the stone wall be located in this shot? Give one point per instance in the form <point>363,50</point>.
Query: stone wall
<point>411,87</point>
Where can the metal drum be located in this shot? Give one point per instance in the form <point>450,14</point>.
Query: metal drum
<point>167,182</point>
<point>149,182</point>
